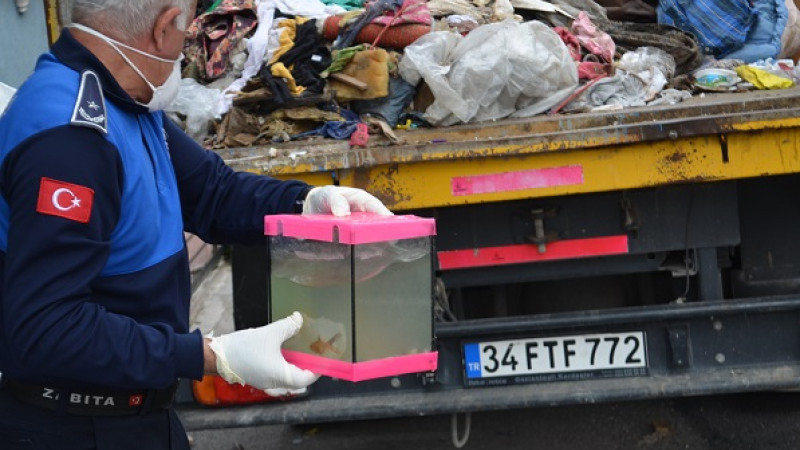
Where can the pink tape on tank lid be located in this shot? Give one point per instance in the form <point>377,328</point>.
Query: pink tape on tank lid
<point>357,228</point>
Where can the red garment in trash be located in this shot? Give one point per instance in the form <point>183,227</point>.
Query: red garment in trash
<point>412,11</point>
<point>212,36</point>
<point>360,137</point>
<point>589,66</point>
<point>592,38</point>
<point>571,41</point>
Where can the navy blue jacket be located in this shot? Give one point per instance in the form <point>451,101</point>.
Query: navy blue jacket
<point>95,193</point>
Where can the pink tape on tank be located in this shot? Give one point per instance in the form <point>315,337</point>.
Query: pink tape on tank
<point>367,370</point>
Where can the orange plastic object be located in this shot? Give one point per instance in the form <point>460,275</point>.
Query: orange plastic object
<point>212,390</point>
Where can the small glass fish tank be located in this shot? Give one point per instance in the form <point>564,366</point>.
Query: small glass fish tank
<point>364,285</point>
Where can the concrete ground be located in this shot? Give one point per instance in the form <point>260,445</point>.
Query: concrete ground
<point>212,302</point>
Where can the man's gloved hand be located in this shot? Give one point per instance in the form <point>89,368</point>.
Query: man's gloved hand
<point>253,356</point>
<point>340,201</point>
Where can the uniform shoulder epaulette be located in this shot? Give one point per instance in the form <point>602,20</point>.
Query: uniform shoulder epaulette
<point>90,107</point>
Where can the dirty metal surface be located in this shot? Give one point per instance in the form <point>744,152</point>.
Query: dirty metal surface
<point>716,137</point>
<point>712,114</point>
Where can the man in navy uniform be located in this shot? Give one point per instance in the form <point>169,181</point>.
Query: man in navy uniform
<point>97,187</point>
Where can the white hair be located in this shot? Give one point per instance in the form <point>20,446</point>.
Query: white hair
<point>125,19</point>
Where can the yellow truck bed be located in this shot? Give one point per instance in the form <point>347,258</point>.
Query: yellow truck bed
<point>711,137</point>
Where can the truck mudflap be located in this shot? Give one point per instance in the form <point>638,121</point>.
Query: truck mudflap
<point>679,349</point>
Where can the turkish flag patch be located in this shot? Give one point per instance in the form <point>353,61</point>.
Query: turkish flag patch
<point>67,200</point>
<point>135,400</point>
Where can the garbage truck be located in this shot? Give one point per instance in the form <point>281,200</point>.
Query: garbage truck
<point>642,253</point>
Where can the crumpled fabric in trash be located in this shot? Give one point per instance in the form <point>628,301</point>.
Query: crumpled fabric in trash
<point>411,11</point>
<point>302,49</point>
<point>333,130</point>
<point>257,45</point>
<point>497,70</point>
<point>390,107</point>
<point>592,38</point>
<point>764,39</point>
<point>571,41</point>
<point>341,58</point>
<point>370,67</point>
<point>348,35</point>
<point>589,66</point>
<point>308,57</point>
<point>622,90</point>
<point>287,31</point>
<point>242,129</point>
<point>720,25</point>
<point>213,36</point>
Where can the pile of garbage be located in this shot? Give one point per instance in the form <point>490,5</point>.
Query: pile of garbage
<point>258,72</point>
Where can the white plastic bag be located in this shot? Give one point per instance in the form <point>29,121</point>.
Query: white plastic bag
<point>198,104</point>
<point>497,70</point>
<point>651,65</point>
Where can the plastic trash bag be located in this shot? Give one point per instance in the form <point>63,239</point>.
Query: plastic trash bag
<point>497,70</point>
<point>652,65</point>
<point>198,104</point>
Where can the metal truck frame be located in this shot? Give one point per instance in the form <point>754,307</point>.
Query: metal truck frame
<point>664,238</point>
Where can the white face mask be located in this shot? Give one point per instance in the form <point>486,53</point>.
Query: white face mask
<point>163,95</point>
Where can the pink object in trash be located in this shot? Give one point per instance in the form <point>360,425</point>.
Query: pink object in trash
<point>571,41</point>
<point>360,137</point>
<point>412,11</point>
<point>594,39</point>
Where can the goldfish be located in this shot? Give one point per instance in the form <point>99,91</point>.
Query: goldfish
<point>321,347</point>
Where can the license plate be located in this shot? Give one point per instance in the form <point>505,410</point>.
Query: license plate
<point>575,357</point>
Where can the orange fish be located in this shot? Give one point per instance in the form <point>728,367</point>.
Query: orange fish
<point>321,347</point>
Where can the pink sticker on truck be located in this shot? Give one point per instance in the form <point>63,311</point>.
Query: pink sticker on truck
<point>517,181</point>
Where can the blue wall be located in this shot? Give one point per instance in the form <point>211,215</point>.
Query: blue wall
<point>22,39</point>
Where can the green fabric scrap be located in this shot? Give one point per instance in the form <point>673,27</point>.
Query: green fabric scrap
<point>341,58</point>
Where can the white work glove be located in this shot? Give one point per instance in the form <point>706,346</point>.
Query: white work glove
<point>253,357</point>
<point>340,201</point>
